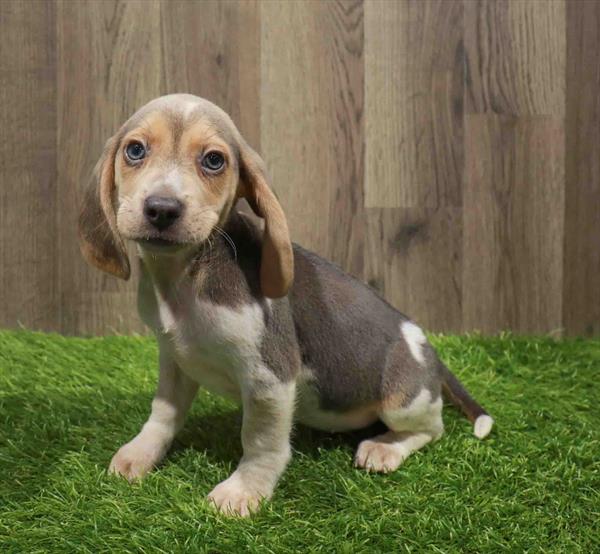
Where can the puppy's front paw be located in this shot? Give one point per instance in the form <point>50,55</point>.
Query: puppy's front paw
<point>135,459</point>
<point>234,497</point>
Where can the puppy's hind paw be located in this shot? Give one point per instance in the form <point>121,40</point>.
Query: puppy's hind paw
<point>373,455</point>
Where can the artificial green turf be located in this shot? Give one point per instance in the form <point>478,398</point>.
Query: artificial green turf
<point>533,486</point>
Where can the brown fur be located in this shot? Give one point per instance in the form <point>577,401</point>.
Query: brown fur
<point>112,209</point>
<point>277,271</point>
<point>101,243</point>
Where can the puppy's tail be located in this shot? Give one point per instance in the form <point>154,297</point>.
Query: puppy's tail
<point>458,395</point>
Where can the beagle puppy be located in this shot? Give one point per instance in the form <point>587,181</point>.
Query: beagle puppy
<point>240,310</point>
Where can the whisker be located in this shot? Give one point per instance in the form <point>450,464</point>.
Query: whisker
<point>226,236</point>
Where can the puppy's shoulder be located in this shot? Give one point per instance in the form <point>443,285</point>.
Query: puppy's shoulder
<point>227,270</point>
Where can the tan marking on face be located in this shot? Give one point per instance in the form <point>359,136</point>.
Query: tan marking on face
<point>175,143</point>
<point>199,139</point>
<point>192,202</point>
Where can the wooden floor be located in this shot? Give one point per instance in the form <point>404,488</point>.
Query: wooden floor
<point>447,152</point>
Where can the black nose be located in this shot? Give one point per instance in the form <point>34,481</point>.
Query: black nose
<point>162,211</point>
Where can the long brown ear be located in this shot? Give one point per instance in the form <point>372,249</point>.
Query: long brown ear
<point>277,265</point>
<point>99,240</point>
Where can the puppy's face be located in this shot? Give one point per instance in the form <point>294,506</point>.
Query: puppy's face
<point>168,179</point>
<point>176,175</point>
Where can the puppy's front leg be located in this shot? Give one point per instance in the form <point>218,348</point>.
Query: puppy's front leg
<point>266,426</point>
<point>173,398</point>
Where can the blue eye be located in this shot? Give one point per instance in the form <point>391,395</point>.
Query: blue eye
<point>213,161</point>
<point>135,151</point>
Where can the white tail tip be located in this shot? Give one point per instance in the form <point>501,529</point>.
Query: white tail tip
<point>483,426</point>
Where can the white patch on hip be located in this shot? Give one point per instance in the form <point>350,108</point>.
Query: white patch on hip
<point>423,414</point>
<point>415,338</point>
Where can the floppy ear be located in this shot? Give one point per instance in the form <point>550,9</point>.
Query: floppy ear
<point>99,240</point>
<point>277,264</point>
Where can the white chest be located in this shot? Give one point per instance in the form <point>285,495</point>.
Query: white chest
<point>214,345</point>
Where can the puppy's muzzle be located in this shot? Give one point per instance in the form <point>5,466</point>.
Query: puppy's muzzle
<point>162,212</point>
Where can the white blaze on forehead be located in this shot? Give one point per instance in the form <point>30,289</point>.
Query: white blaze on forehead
<point>415,338</point>
<point>188,107</point>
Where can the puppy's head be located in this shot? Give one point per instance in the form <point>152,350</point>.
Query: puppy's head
<point>168,179</point>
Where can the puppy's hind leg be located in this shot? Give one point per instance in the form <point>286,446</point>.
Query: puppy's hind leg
<point>411,428</point>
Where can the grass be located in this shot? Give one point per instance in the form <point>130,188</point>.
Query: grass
<point>66,404</point>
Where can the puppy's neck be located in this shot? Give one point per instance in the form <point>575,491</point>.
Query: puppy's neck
<point>224,269</point>
<point>166,269</point>
<point>193,264</point>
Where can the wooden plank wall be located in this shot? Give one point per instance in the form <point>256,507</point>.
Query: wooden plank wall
<point>29,289</point>
<point>445,151</point>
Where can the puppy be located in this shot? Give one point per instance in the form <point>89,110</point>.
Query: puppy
<point>240,310</point>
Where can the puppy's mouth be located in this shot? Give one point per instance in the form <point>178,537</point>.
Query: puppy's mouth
<point>160,244</point>
<point>158,241</point>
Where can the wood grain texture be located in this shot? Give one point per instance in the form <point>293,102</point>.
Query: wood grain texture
<point>414,258</point>
<point>413,103</point>
<point>446,151</point>
<point>212,49</point>
<point>414,79</point>
<point>515,57</point>
<point>513,224</point>
<point>109,62</point>
<point>28,203</point>
<point>513,198</point>
<point>582,194</point>
<point>311,122</point>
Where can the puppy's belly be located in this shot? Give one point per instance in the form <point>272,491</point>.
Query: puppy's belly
<point>309,412</point>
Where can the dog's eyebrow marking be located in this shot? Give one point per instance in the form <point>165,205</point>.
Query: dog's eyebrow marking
<point>415,338</point>
<point>144,124</point>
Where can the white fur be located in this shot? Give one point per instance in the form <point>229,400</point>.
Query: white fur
<point>386,452</point>
<point>420,415</point>
<point>234,497</point>
<point>483,426</point>
<point>415,338</point>
<point>174,181</point>
<point>411,428</point>
<point>208,331</point>
<point>265,438</point>
<point>187,107</point>
<point>167,318</point>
